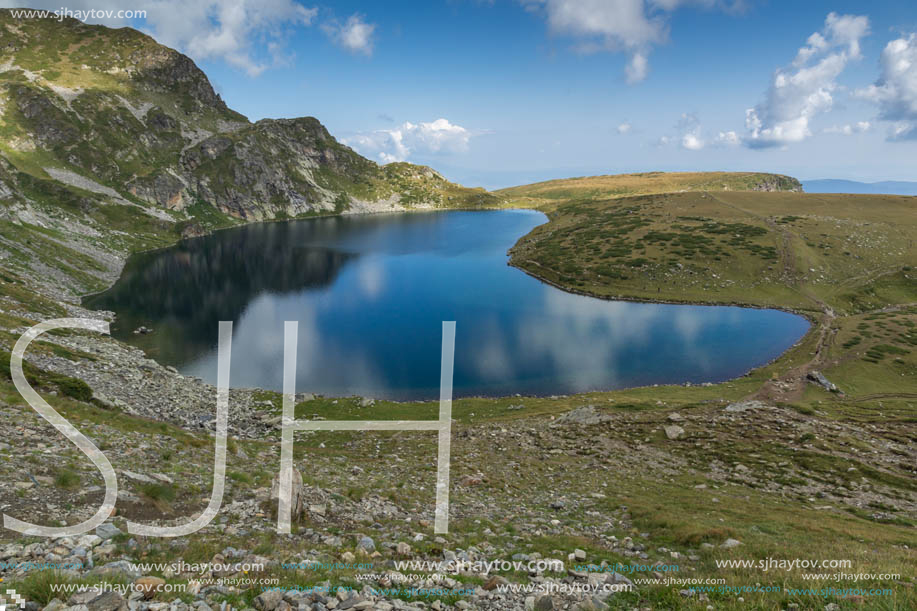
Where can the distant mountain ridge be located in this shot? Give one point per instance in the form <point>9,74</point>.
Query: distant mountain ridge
<point>836,185</point>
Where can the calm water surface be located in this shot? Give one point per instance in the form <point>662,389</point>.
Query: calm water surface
<point>370,294</point>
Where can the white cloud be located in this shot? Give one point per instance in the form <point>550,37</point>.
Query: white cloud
<point>624,127</point>
<point>354,35</point>
<point>692,141</point>
<point>637,68</point>
<point>609,25</point>
<point>804,89</point>
<point>228,30</point>
<point>896,90</point>
<point>849,129</point>
<point>689,126</point>
<point>727,138</point>
<point>726,5</point>
<point>688,136</point>
<point>439,136</point>
<point>630,26</point>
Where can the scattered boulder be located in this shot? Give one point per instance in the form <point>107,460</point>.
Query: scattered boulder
<point>744,406</point>
<point>81,598</point>
<point>107,530</point>
<point>544,603</point>
<point>494,582</point>
<point>149,585</point>
<point>819,378</point>
<point>366,544</point>
<point>107,601</point>
<point>138,477</point>
<point>470,480</point>
<point>268,601</point>
<point>586,415</point>
<point>118,568</point>
<point>673,431</point>
<point>296,495</point>
<point>730,543</point>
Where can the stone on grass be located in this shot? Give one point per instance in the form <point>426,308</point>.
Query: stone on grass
<point>107,530</point>
<point>673,431</point>
<point>544,603</point>
<point>107,601</point>
<point>268,601</point>
<point>296,495</point>
<point>149,585</point>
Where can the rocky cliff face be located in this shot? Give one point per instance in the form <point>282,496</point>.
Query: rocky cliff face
<point>778,182</point>
<point>116,109</point>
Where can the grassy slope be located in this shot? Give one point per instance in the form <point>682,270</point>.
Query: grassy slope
<point>846,261</point>
<point>841,259</point>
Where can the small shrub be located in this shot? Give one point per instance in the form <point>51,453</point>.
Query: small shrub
<point>158,492</point>
<point>73,388</point>
<point>239,476</point>
<point>67,478</point>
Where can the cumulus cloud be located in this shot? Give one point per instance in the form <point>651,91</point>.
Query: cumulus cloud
<point>688,134</point>
<point>692,142</point>
<point>896,90</point>
<point>247,34</point>
<point>354,35</point>
<point>227,30</point>
<point>804,89</point>
<point>689,126</point>
<point>624,127</point>
<point>388,145</point>
<point>637,68</point>
<point>630,26</point>
<point>849,129</point>
<point>727,138</point>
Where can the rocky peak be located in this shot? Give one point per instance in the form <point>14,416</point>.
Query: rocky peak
<point>114,108</point>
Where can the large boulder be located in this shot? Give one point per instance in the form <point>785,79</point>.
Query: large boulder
<point>673,431</point>
<point>296,498</point>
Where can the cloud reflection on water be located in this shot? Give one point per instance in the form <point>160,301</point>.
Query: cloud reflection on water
<point>370,294</point>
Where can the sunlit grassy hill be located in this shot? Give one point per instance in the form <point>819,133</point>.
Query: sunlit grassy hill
<point>622,185</point>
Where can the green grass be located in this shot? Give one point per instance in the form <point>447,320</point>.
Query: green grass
<point>158,493</point>
<point>66,478</point>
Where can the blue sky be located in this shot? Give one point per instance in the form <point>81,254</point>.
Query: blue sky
<point>512,91</point>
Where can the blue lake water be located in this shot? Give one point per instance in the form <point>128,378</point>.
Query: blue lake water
<point>370,294</point>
